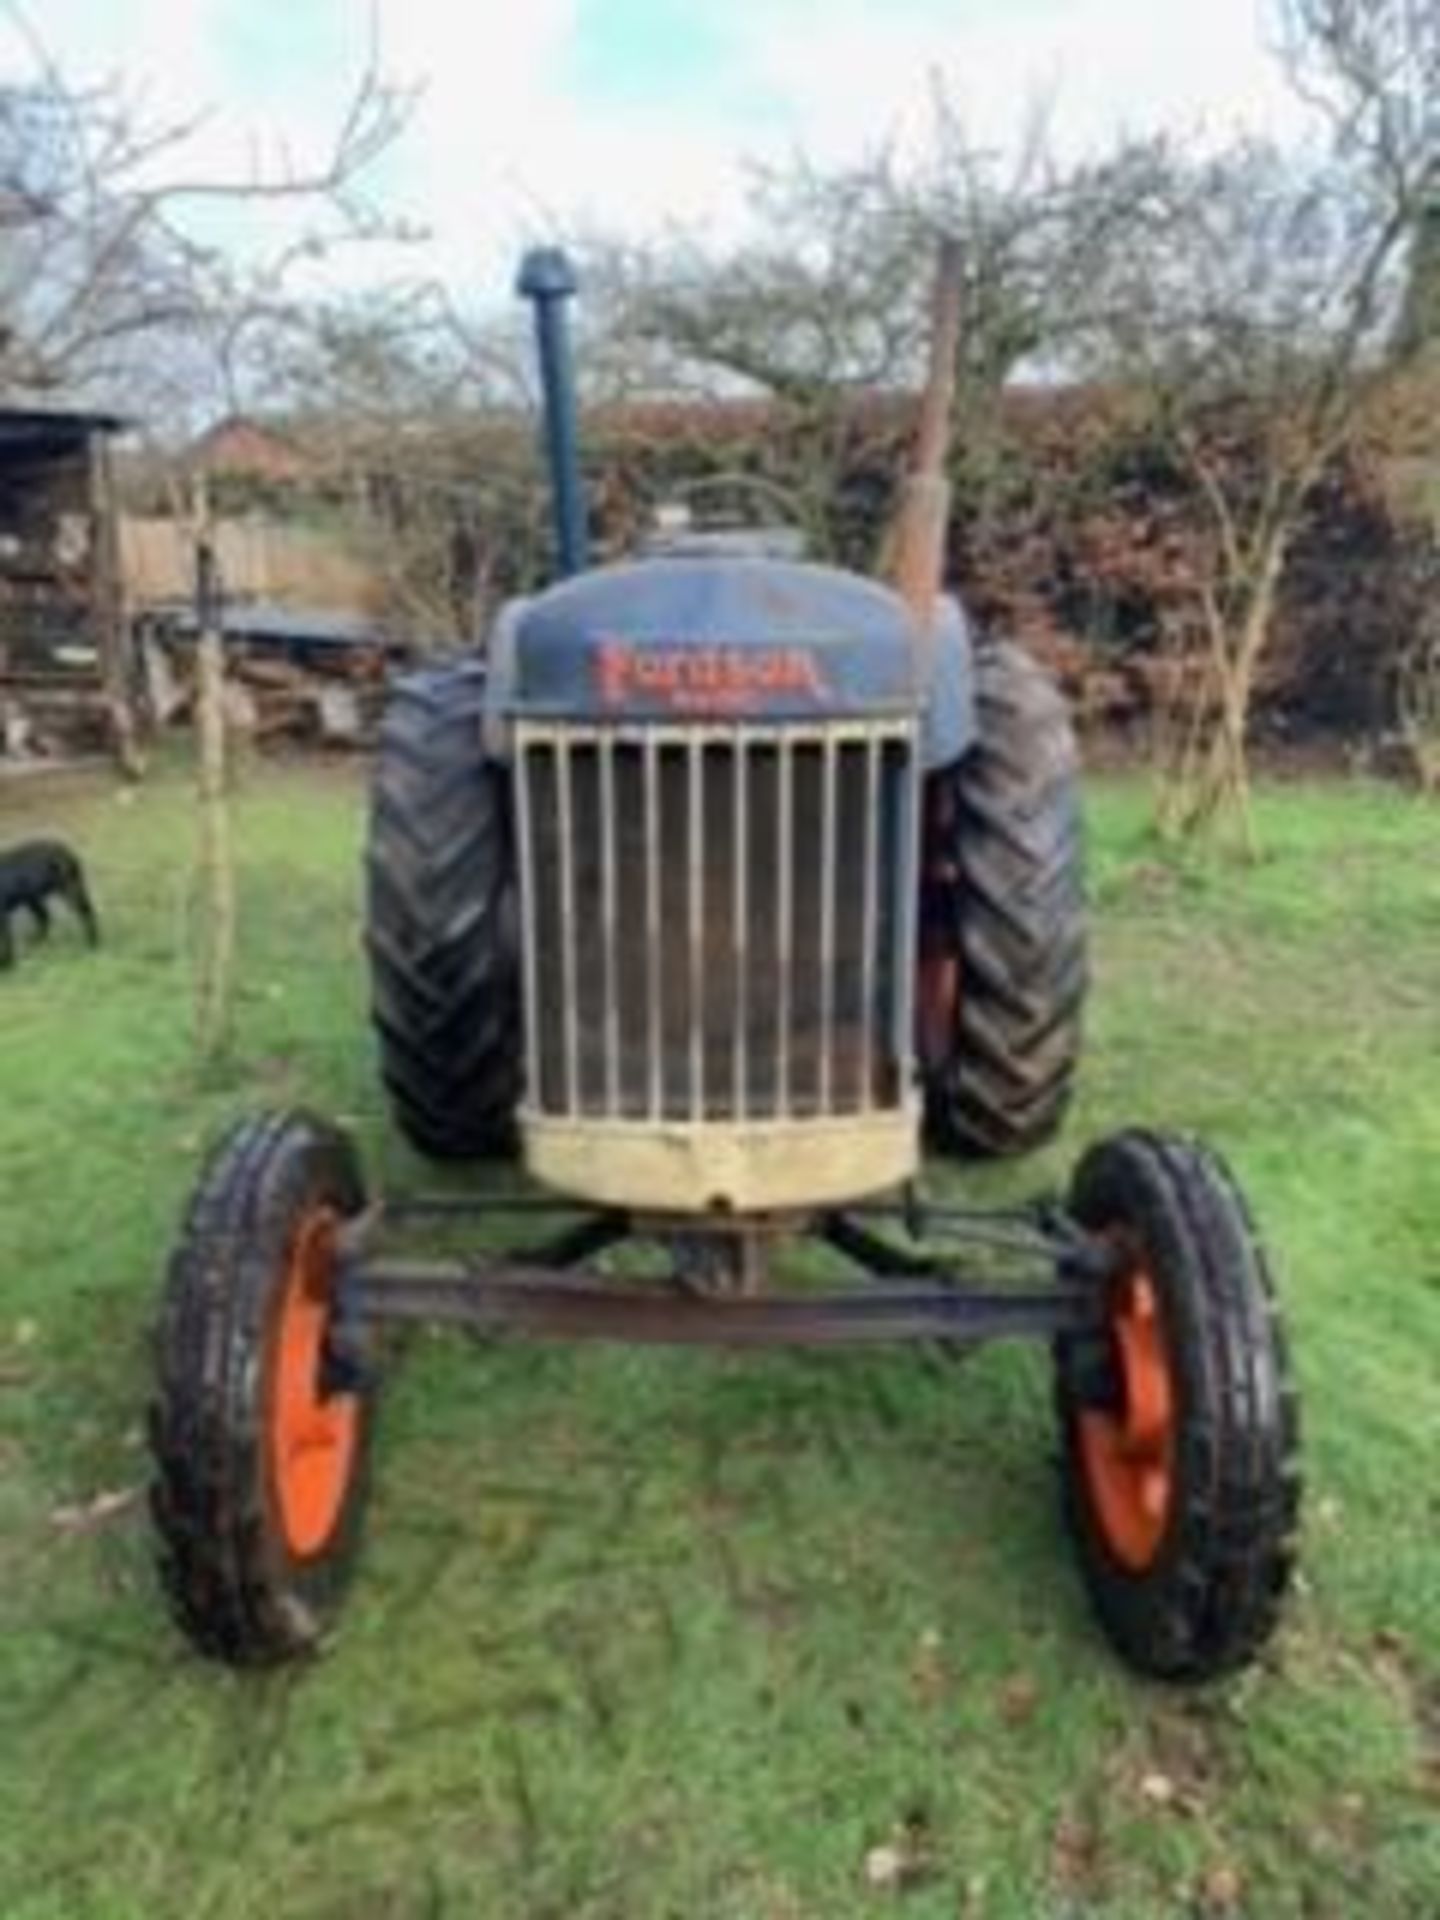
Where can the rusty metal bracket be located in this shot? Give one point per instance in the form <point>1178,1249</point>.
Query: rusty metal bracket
<point>1041,1234</point>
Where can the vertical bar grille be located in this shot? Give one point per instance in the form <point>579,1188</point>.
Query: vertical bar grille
<point>718,920</point>
<point>784,917</point>
<point>740,929</point>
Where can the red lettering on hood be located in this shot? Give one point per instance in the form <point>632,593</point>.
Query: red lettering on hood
<point>713,679</point>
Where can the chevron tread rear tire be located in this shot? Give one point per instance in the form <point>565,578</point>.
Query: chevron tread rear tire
<point>441,921</point>
<point>1010,857</point>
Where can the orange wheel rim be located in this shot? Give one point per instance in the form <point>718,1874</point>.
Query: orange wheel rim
<point>1128,1454</point>
<point>312,1435</point>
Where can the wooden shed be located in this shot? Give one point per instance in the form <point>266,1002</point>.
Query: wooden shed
<point>66,672</point>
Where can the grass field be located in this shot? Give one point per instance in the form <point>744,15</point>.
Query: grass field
<point>650,1635</point>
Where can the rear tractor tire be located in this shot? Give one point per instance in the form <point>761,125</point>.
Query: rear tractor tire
<point>260,1441</point>
<point>441,921</point>
<point>1003,969</point>
<point>1179,1422</point>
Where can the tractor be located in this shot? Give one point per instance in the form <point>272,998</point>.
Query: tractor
<point>721,886</point>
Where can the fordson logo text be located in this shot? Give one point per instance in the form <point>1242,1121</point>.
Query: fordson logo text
<point>706,679</point>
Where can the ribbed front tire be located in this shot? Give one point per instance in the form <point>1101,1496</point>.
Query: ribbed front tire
<point>441,921</point>
<point>1179,1419</point>
<point>260,1459</point>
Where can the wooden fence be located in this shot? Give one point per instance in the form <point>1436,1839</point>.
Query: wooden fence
<point>259,559</point>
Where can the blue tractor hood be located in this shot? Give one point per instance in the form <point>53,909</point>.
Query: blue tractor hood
<point>727,639</point>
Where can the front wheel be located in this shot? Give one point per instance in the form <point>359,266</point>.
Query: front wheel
<point>1179,1419</point>
<point>259,1448</point>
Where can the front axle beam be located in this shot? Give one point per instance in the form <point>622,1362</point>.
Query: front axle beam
<point>508,1298</point>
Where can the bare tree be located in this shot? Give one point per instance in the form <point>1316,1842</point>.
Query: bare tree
<point>106,281</point>
<point>826,304</point>
<point>103,242</point>
<point>110,290</point>
<point>1034,237</point>
<point>820,305</point>
<point>216,920</point>
<point>1256,309</point>
<point>417,423</point>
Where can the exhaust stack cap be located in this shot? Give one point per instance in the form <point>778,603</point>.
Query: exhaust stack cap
<point>546,274</point>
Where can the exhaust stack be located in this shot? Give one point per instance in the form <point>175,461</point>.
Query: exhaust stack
<point>547,279</point>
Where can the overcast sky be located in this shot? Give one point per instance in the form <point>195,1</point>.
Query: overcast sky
<point>629,111</point>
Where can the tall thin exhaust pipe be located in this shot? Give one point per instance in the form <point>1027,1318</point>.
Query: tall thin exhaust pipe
<point>547,279</point>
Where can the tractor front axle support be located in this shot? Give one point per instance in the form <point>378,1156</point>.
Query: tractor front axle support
<point>905,1292</point>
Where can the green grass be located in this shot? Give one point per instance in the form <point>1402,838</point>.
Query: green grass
<point>642,1634</point>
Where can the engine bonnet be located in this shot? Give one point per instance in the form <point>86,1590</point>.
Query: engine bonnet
<point>712,638</point>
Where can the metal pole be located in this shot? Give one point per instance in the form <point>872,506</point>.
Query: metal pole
<point>547,279</point>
